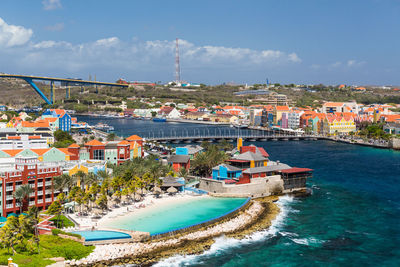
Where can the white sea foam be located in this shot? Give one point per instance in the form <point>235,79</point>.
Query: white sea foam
<point>311,241</point>
<point>223,243</point>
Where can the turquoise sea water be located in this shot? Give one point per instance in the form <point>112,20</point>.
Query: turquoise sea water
<point>177,215</point>
<point>351,219</point>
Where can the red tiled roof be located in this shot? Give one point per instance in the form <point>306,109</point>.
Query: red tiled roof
<point>296,170</point>
<point>94,142</point>
<point>134,138</point>
<point>333,104</point>
<point>12,152</point>
<point>65,151</point>
<point>124,142</point>
<point>282,108</point>
<point>40,151</point>
<point>74,145</point>
<point>13,137</point>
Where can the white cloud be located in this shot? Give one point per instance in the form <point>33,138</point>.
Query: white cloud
<point>145,58</point>
<point>51,4</point>
<point>11,35</point>
<point>56,27</point>
<point>354,63</point>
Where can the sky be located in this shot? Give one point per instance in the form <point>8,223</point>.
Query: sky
<point>305,41</point>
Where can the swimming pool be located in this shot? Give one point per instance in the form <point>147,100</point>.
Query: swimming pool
<point>97,235</point>
<point>173,216</point>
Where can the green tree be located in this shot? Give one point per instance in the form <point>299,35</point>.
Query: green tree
<point>21,194</point>
<point>55,209</point>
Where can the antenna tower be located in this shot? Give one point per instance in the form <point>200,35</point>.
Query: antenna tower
<point>177,65</point>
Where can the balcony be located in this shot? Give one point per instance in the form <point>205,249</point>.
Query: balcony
<point>31,203</point>
<point>48,192</point>
<point>32,194</point>
<point>9,188</point>
<point>32,186</point>
<point>48,183</point>
<point>9,206</point>
<point>48,200</point>
<point>40,201</point>
<point>40,193</point>
<point>9,197</point>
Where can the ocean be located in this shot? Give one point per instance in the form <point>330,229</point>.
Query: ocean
<point>352,217</point>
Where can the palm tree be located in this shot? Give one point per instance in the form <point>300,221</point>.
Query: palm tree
<point>21,194</point>
<point>103,175</point>
<point>62,182</point>
<point>33,216</point>
<point>81,177</point>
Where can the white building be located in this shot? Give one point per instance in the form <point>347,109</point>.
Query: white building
<point>294,119</point>
<point>23,142</point>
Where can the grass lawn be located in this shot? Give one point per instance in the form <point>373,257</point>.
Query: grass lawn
<point>50,246</point>
<point>63,221</point>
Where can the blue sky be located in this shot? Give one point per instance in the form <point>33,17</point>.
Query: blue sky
<point>332,42</point>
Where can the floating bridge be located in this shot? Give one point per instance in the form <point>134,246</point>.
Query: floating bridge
<point>230,136</point>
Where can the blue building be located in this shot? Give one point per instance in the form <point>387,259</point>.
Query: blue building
<point>225,171</point>
<point>64,119</point>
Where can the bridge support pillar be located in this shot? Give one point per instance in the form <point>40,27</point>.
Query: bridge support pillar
<point>52,93</point>
<point>67,92</point>
<point>34,86</point>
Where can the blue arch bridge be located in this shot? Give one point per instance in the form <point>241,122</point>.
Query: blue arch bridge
<point>65,82</point>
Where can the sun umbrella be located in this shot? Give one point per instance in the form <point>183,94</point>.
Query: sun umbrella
<point>157,190</point>
<point>172,190</point>
<point>3,219</point>
<point>125,198</point>
<point>12,214</point>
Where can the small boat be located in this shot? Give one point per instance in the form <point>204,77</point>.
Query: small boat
<point>240,126</point>
<point>159,119</point>
<point>104,127</point>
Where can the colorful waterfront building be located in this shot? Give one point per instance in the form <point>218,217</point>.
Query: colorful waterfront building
<point>27,170</point>
<point>64,119</point>
<point>191,150</point>
<point>115,152</point>
<point>278,111</point>
<point>338,123</point>
<point>226,171</point>
<point>179,161</point>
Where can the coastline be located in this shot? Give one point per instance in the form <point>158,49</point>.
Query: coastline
<point>258,216</point>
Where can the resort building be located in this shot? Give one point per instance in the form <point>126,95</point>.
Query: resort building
<point>115,152</point>
<point>179,161</point>
<point>225,172</point>
<point>23,141</point>
<point>191,150</point>
<point>247,160</point>
<point>27,170</point>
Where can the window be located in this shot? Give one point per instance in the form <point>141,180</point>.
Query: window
<point>98,154</point>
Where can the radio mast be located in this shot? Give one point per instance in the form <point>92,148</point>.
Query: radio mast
<point>177,65</point>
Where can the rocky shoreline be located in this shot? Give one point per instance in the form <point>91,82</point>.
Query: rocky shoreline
<point>259,215</point>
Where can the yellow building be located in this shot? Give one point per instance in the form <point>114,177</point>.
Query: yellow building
<point>333,125</point>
